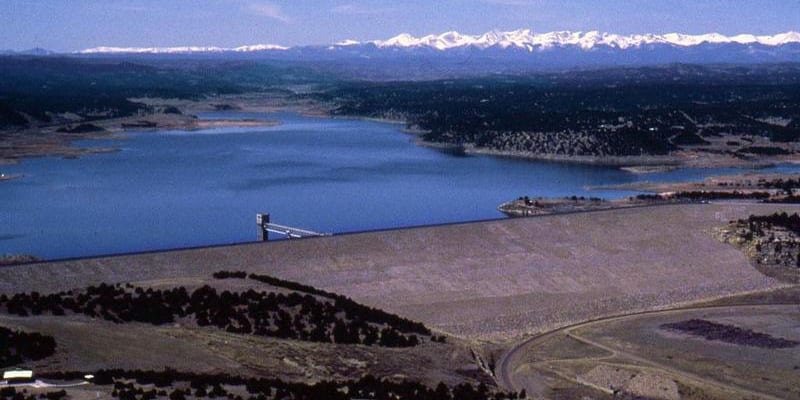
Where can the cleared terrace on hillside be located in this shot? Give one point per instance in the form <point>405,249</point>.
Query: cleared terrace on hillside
<point>488,280</point>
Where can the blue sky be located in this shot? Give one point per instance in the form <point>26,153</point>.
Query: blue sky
<point>66,25</point>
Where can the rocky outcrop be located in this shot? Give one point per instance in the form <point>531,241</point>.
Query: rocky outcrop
<point>772,242</point>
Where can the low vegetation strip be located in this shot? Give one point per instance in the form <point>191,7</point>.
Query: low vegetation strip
<point>12,259</point>
<point>791,199</point>
<point>342,302</point>
<point>17,347</point>
<point>10,393</point>
<point>526,206</point>
<point>706,195</point>
<point>759,223</point>
<point>172,384</point>
<point>729,334</point>
<point>786,185</point>
<point>287,316</point>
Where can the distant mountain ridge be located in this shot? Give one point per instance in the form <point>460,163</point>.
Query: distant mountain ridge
<point>180,49</point>
<point>453,55</point>
<point>524,39</point>
<point>36,51</point>
<point>528,40</point>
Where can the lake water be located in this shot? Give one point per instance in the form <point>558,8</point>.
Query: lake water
<point>177,189</point>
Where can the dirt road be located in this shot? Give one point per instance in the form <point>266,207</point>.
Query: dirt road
<point>505,375</point>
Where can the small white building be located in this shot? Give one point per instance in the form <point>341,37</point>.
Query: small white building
<point>18,376</point>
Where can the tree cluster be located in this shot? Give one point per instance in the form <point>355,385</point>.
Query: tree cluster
<point>757,224</point>
<point>787,185</point>
<point>177,385</point>
<point>771,240</point>
<point>764,150</point>
<point>11,393</point>
<point>350,307</point>
<point>17,347</point>
<point>287,316</point>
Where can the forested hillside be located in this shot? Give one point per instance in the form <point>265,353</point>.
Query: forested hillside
<point>35,89</point>
<point>617,112</point>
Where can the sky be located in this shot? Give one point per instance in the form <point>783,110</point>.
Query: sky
<point>70,25</point>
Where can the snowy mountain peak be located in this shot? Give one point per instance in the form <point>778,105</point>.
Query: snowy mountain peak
<point>258,47</point>
<point>527,39</point>
<point>348,42</point>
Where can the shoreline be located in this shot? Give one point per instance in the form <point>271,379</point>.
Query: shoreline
<point>30,143</point>
<point>743,181</point>
<point>6,178</point>
<point>203,124</point>
<point>62,144</point>
<point>633,164</point>
<point>748,187</point>
<point>644,164</point>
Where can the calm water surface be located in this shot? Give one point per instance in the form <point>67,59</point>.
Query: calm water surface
<point>177,189</point>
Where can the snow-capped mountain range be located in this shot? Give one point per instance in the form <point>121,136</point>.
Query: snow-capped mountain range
<point>524,39</point>
<point>180,49</point>
<point>452,54</point>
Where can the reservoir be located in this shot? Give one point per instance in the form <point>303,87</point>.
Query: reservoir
<point>172,189</point>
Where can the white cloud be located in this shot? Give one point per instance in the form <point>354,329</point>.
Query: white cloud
<point>352,9</point>
<point>269,10</point>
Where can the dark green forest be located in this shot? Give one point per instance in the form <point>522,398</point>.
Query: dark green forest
<point>34,87</point>
<point>607,112</point>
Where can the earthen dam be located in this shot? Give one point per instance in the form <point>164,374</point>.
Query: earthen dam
<point>496,280</point>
